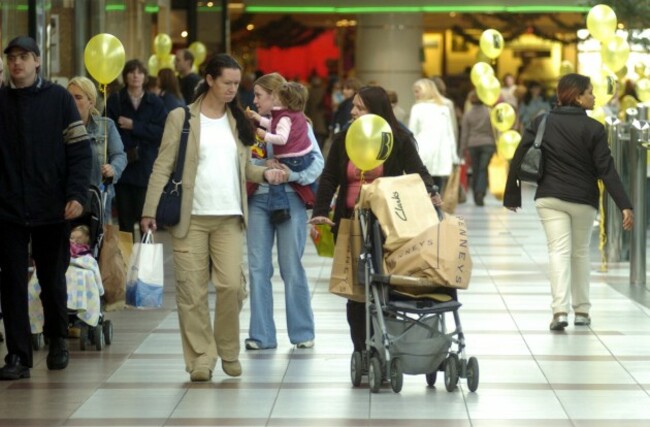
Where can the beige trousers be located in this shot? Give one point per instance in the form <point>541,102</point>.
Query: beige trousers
<point>211,251</point>
<point>568,228</point>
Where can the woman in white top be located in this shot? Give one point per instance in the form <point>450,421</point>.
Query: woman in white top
<point>209,238</point>
<point>431,124</point>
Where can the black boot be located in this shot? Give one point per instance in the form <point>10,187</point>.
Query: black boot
<point>58,356</point>
<point>13,369</point>
<point>478,199</point>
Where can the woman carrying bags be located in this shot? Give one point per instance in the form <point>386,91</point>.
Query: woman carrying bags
<point>208,240</point>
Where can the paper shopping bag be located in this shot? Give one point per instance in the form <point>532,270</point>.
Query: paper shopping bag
<point>344,279</point>
<point>113,265</point>
<point>440,253</point>
<point>450,195</point>
<point>144,282</point>
<point>402,207</point>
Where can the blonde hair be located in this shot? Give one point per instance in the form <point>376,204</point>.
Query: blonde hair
<point>88,88</point>
<point>292,95</point>
<point>428,91</point>
<point>270,82</point>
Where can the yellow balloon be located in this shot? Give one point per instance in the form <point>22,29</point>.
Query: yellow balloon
<point>641,69</point>
<point>162,44</point>
<point>165,61</point>
<point>604,84</point>
<point>643,89</point>
<point>615,52</point>
<point>480,70</point>
<point>104,57</point>
<point>598,113</point>
<point>153,65</point>
<point>622,73</point>
<point>491,43</point>
<point>488,90</point>
<point>368,142</point>
<point>503,116</point>
<point>507,143</point>
<point>199,51</point>
<point>601,22</point>
<point>566,67</point>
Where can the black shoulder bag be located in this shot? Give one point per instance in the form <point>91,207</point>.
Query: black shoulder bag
<point>532,165</point>
<point>169,206</point>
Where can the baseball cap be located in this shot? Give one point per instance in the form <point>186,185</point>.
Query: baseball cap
<point>25,43</point>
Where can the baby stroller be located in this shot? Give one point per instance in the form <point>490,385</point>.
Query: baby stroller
<point>406,334</point>
<point>94,328</point>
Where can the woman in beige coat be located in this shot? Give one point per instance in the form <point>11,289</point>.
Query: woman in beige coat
<point>210,234</point>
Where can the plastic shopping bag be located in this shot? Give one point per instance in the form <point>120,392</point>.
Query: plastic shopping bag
<point>144,280</point>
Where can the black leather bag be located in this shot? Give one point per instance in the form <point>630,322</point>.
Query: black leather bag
<point>169,206</point>
<point>532,165</point>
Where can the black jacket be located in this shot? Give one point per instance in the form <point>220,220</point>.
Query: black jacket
<point>403,159</point>
<point>576,155</point>
<point>45,154</point>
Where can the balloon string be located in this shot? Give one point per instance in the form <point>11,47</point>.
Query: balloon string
<point>102,89</point>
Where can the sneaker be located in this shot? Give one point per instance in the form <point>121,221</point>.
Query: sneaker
<point>200,374</point>
<point>582,319</point>
<point>232,369</point>
<point>305,344</point>
<point>255,345</point>
<point>13,369</point>
<point>559,322</point>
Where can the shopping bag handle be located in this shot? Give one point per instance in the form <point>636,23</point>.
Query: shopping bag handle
<point>147,237</point>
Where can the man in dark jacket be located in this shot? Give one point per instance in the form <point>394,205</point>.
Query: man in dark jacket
<point>45,162</point>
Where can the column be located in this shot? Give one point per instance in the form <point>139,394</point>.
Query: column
<point>388,52</point>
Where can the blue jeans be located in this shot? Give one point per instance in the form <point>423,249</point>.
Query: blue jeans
<point>277,195</point>
<point>480,156</point>
<point>292,237</point>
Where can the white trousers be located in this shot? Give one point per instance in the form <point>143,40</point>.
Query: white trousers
<point>568,228</point>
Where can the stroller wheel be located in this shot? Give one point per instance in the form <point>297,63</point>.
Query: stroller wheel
<point>356,368</point>
<point>84,337</point>
<point>107,326</point>
<point>431,378</point>
<point>38,342</point>
<point>99,338</point>
<point>396,375</point>
<point>451,372</point>
<point>472,374</point>
<point>374,374</point>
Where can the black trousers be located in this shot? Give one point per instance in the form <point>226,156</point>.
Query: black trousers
<point>129,201</point>
<point>50,247</point>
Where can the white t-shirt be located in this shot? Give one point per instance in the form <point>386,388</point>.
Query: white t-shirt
<point>216,188</point>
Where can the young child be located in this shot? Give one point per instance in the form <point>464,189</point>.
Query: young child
<point>287,130</point>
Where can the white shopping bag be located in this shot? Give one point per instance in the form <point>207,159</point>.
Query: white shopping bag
<point>144,280</point>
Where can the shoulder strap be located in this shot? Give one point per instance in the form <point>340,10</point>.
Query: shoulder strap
<point>182,147</point>
<point>540,132</point>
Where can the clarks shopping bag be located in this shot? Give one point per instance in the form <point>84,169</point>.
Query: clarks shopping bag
<point>144,281</point>
<point>113,265</point>
<point>440,253</point>
<point>343,279</point>
<point>402,207</point>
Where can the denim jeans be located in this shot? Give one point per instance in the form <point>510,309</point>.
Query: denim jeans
<point>291,239</point>
<point>480,156</point>
<point>277,195</point>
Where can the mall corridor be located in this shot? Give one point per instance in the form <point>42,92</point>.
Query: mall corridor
<point>587,376</point>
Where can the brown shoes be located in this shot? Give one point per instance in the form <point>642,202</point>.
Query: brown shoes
<point>200,375</point>
<point>232,369</point>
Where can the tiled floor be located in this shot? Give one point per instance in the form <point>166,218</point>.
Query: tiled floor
<point>591,377</point>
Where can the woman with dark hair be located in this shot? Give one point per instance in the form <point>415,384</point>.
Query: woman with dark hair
<point>168,89</point>
<point>140,119</point>
<point>576,156</point>
<point>340,173</point>
<point>208,241</point>
<point>533,104</point>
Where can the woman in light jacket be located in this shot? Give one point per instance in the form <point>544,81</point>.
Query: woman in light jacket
<point>576,156</point>
<point>208,240</point>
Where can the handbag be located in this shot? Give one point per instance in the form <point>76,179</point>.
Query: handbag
<point>144,280</point>
<point>168,212</point>
<point>532,164</point>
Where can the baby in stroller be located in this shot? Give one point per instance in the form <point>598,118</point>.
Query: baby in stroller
<point>84,282</point>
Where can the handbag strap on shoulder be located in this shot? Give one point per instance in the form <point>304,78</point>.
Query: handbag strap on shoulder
<point>540,132</point>
<point>182,148</point>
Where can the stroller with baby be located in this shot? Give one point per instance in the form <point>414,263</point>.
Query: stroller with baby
<point>85,305</point>
<point>407,329</point>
